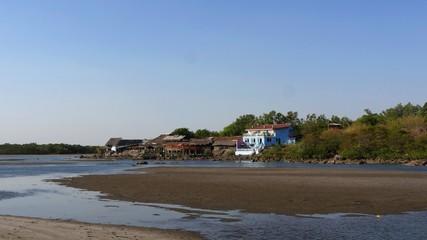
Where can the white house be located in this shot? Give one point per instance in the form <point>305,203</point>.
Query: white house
<point>257,138</point>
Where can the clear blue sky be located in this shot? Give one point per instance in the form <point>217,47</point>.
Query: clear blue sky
<point>83,71</point>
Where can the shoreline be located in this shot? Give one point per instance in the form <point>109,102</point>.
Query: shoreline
<point>258,158</point>
<point>13,227</point>
<point>97,158</point>
<point>267,190</point>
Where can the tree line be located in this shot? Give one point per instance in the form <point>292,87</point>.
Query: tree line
<point>399,132</point>
<point>33,148</point>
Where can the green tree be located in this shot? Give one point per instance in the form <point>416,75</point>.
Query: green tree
<point>330,141</point>
<point>424,110</point>
<point>314,125</point>
<point>371,119</point>
<point>269,118</point>
<point>400,111</point>
<point>184,132</point>
<point>239,126</point>
<point>204,133</point>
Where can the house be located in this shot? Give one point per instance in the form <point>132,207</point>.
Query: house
<point>257,138</point>
<point>200,146</point>
<point>116,145</point>
<point>181,146</point>
<point>153,149</point>
<point>225,143</point>
<point>334,126</point>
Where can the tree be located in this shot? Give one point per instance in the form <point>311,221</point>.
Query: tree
<point>400,111</point>
<point>371,119</point>
<point>424,110</point>
<point>184,132</point>
<point>314,124</point>
<point>204,133</point>
<point>330,141</point>
<point>239,126</point>
<point>269,118</point>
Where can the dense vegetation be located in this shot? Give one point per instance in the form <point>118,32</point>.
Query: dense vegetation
<point>200,133</point>
<point>33,148</point>
<point>399,132</point>
<point>396,133</point>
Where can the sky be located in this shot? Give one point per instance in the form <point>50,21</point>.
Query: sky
<point>80,72</point>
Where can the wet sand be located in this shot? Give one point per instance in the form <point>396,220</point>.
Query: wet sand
<point>268,190</point>
<point>12,228</point>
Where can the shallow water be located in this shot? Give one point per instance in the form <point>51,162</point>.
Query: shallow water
<point>24,192</point>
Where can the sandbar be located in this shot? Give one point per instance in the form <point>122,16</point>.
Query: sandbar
<point>288,191</point>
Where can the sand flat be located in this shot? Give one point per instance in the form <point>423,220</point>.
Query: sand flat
<point>287,191</point>
<point>12,228</point>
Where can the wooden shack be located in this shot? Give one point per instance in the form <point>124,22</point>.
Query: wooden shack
<point>181,146</point>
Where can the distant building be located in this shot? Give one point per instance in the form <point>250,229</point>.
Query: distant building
<point>225,143</point>
<point>257,138</point>
<point>180,146</point>
<point>153,149</point>
<point>334,126</point>
<point>116,145</point>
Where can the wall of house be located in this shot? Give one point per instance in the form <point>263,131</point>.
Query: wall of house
<point>253,140</point>
<point>282,137</point>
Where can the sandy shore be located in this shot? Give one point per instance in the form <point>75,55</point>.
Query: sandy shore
<point>268,190</point>
<point>12,228</point>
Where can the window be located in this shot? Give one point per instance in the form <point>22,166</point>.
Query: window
<point>268,139</point>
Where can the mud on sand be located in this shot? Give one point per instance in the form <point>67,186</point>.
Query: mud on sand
<point>287,191</point>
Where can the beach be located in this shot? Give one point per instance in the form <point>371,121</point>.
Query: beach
<point>12,228</point>
<point>288,191</point>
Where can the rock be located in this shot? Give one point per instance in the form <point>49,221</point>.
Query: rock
<point>416,163</point>
<point>141,162</point>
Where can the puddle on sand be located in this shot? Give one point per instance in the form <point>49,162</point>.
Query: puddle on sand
<point>195,213</point>
<point>333,215</point>
<point>35,197</point>
<point>10,194</point>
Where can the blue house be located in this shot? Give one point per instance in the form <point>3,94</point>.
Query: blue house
<point>257,138</point>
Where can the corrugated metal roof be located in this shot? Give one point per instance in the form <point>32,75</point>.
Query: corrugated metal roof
<point>113,142</point>
<point>175,138</point>
<point>119,142</point>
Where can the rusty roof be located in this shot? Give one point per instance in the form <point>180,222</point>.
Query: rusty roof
<point>174,138</point>
<point>201,141</point>
<point>226,141</point>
